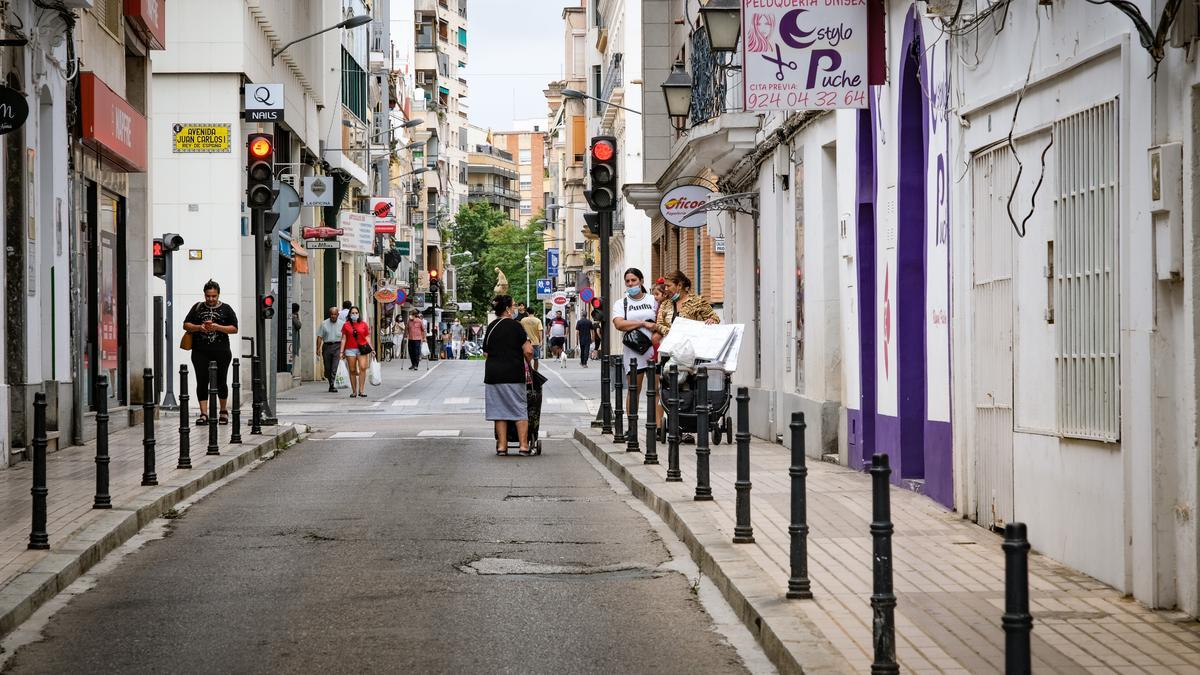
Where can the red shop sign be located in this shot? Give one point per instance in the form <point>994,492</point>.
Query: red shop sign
<point>385,229</point>
<point>112,126</point>
<point>149,19</point>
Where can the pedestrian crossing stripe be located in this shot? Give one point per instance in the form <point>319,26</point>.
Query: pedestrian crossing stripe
<point>404,402</point>
<point>456,401</point>
<point>354,434</point>
<point>439,433</point>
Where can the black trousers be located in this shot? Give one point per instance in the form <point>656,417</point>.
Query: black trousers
<point>585,347</point>
<point>201,357</point>
<point>414,353</point>
<point>329,355</point>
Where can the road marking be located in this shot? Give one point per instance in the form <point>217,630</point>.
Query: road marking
<point>456,401</point>
<point>439,433</point>
<point>376,404</point>
<point>354,434</point>
<point>410,383</point>
<point>404,402</point>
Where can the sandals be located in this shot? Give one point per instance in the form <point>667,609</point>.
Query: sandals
<point>223,417</point>
<point>525,452</point>
<point>202,420</point>
<point>503,452</point>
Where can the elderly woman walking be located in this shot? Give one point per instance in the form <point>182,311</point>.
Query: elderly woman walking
<point>505,373</point>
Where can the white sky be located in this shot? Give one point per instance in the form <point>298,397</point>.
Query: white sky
<point>515,48</point>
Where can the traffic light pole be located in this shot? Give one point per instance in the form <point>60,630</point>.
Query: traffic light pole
<point>168,401</point>
<point>258,225</point>
<point>605,396</point>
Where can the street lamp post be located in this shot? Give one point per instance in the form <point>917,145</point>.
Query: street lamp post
<point>352,22</point>
<point>575,93</point>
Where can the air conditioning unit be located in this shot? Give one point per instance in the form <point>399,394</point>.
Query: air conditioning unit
<point>291,180</point>
<point>580,246</point>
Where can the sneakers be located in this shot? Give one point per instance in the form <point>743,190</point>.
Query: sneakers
<point>332,389</point>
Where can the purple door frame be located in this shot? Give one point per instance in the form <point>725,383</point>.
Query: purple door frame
<point>861,422</point>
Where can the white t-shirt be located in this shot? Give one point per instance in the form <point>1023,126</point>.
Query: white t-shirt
<point>558,327</point>
<point>639,309</point>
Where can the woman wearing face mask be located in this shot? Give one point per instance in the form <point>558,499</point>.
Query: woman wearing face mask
<point>356,347</point>
<point>211,323</point>
<point>636,312</point>
<point>683,302</point>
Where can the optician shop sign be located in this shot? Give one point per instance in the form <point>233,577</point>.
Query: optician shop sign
<point>804,54</point>
<point>682,200</point>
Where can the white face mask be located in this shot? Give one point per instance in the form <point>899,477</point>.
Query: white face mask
<point>354,317</point>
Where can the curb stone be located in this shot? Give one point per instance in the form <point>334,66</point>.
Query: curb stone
<point>86,546</point>
<point>792,642</point>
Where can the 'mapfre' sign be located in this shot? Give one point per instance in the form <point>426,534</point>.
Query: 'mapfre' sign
<point>804,54</point>
<point>13,110</point>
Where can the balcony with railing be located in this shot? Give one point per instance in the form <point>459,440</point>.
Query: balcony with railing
<point>714,91</point>
<point>494,194</point>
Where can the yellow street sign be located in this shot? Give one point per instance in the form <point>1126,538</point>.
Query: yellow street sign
<point>201,138</point>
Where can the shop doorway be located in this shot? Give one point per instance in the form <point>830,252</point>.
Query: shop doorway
<point>105,353</point>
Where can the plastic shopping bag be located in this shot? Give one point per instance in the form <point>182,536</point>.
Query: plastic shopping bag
<point>342,379</point>
<point>376,373</point>
<point>424,350</point>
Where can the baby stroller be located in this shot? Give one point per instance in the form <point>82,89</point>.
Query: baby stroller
<point>533,398</point>
<point>720,387</point>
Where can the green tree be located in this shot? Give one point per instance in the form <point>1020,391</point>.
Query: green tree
<point>507,246</point>
<point>469,233</point>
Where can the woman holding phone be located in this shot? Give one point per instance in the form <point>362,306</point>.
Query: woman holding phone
<point>211,322</point>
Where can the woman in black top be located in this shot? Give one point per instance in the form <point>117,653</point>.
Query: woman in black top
<point>508,352</point>
<point>211,323</point>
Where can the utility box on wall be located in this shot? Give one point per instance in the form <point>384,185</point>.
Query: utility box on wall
<point>1166,209</point>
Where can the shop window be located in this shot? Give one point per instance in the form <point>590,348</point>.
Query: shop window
<point>1086,303</point>
<point>106,302</point>
<point>354,86</point>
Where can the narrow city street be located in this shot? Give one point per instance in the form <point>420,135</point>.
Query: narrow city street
<point>394,540</point>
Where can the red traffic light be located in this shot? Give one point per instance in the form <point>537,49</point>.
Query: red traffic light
<point>260,147</point>
<point>603,150</point>
<point>268,301</point>
<point>158,248</point>
<point>596,303</point>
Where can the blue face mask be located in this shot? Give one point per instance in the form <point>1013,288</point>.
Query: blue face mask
<point>675,297</point>
<point>634,291</point>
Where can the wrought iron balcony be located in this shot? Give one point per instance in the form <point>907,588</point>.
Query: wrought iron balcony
<point>613,76</point>
<point>711,93</point>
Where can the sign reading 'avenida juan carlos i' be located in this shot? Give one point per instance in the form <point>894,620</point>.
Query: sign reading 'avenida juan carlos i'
<point>804,54</point>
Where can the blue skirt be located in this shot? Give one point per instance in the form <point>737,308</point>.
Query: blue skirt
<point>505,402</point>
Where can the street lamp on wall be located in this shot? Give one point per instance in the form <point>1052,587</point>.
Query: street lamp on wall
<point>352,22</point>
<point>723,23</point>
<point>678,92</point>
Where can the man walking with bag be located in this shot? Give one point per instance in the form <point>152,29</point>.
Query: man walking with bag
<point>329,346</point>
<point>415,332</point>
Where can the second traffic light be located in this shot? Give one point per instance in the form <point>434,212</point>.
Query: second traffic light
<point>260,171</point>
<point>604,190</point>
<point>266,305</point>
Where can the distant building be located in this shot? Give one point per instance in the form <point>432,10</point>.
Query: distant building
<point>529,148</point>
<point>492,179</point>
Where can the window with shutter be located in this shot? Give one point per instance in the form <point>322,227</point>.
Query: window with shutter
<point>1087,316</point>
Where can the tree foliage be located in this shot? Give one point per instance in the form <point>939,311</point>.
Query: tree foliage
<point>507,246</point>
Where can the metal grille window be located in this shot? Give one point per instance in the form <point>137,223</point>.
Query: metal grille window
<point>1086,276</point>
<point>109,14</point>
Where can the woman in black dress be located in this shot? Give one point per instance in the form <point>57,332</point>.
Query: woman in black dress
<point>505,373</point>
<point>211,323</point>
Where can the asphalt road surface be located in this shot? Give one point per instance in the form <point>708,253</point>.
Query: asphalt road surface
<point>394,540</point>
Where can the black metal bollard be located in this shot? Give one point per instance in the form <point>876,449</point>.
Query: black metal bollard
<point>185,427</point>
<point>619,400</point>
<point>39,539</point>
<point>651,415</point>
<point>798,585</point>
<point>256,404</point>
<point>631,433</point>
<point>149,477</point>
<point>1017,621</point>
<point>235,435</point>
<point>673,473</point>
<point>213,448</point>
<point>743,532</point>
<point>883,600</point>
<point>103,500</point>
<point>605,406</point>
<point>703,489</point>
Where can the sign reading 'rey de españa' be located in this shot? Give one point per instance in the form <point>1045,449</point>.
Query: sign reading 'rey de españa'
<point>804,54</point>
<point>201,138</point>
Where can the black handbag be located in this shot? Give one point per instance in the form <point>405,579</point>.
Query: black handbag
<point>635,339</point>
<point>537,379</point>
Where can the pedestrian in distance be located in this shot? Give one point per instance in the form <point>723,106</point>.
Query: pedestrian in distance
<point>637,322</point>
<point>329,346</point>
<point>295,334</point>
<point>533,329</point>
<point>345,313</point>
<point>415,332</point>
<point>558,338</point>
<point>508,353</point>
<point>456,338</point>
<point>356,350</point>
<point>584,329</point>
<point>210,323</point>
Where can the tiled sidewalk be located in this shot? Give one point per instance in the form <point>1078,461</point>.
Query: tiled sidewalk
<point>79,534</point>
<point>949,573</point>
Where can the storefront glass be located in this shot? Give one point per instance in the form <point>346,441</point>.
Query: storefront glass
<point>104,354</point>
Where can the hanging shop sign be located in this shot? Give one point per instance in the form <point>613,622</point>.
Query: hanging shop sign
<point>14,110</point>
<point>358,232</point>
<point>111,126</point>
<point>149,20</point>
<point>384,210</point>
<point>201,137</point>
<point>799,55</point>
<point>681,201</point>
<point>263,102</point>
<point>386,295</point>
<point>318,191</point>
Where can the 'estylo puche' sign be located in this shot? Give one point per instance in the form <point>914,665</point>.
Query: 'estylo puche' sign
<point>804,54</point>
<point>14,110</point>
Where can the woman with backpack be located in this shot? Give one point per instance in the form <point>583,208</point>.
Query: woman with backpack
<point>637,321</point>
<point>356,350</point>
